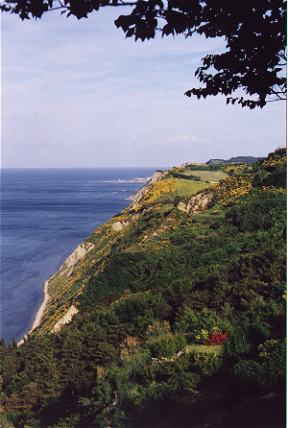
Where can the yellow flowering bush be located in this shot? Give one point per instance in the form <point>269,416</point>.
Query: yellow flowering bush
<point>272,163</point>
<point>233,187</point>
<point>159,188</point>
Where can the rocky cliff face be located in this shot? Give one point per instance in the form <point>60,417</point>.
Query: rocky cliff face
<point>200,202</point>
<point>65,319</point>
<point>78,254</point>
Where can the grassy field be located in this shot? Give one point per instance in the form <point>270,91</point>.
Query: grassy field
<point>171,187</point>
<point>216,349</point>
<point>211,176</point>
<point>189,187</point>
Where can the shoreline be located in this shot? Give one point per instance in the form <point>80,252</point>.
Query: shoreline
<point>39,313</point>
<point>41,310</point>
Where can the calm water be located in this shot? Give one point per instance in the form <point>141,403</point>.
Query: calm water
<point>45,214</point>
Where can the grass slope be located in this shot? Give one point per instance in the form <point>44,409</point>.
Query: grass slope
<point>187,188</point>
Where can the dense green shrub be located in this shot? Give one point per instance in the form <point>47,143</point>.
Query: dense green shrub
<point>197,325</point>
<point>263,211</point>
<point>250,372</point>
<point>166,345</point>
<point>206,364</point>
<point>141,310</point>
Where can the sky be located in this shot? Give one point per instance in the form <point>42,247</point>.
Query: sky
<point>78,94</point>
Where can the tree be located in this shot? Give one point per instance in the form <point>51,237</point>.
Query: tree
<point>250,72</point>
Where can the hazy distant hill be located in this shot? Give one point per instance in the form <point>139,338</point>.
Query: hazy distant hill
<point>235,159</point>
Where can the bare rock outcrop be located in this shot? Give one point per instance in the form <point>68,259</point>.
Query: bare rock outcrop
<point>118,226</point>
<point>182,207</point>
<point>200,202</point>
<point>78,254</point>
<point>65,319</point>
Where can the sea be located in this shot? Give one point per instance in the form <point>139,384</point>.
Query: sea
<point>45,214</point>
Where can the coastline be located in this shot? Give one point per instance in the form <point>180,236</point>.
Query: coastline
<point>41,310</point>
<point>39,313</point>
<point>46,297</point>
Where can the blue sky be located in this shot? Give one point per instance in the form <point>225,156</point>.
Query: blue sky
<point>78,94</point>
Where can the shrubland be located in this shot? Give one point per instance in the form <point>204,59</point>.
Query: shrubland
<point>181,315</point>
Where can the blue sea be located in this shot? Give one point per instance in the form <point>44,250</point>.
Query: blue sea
<point>45,214</point>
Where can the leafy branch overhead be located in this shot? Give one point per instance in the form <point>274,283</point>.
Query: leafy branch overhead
<point>250,72</point>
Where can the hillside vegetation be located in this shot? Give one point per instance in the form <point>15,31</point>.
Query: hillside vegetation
<point>180,312</point>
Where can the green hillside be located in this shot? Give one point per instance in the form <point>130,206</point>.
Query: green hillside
<point>179,306</point>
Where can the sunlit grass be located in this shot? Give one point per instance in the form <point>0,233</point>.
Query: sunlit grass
<point>206,349</point>
<point>189,187</point>
<point>211,176</point>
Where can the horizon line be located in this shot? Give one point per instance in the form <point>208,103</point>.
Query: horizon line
<point>82,167</point>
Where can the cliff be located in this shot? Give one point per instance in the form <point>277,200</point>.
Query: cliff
<point>155,318</point>
<point>157,195</point>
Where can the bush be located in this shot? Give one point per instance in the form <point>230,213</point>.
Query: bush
<point>250,372</point>
<point>217,338</point>
<point>199,325</point>
<point>262,211</point>
<point>238,343</point>
<point>141,310</point>
<point>205,363</point>
<point>272,356</point>
<point>166,345</point>
<point>249,330</point>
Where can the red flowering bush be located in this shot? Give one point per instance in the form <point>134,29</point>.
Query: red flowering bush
<point>217,338</point>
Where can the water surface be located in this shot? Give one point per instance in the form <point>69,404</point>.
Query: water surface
<point>45,214</point>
